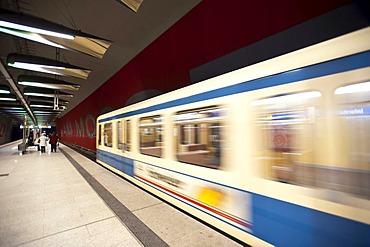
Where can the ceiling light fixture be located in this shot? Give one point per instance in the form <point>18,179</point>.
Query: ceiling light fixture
<point>46,105</point>
<point>132,4</point>
<point>15,111</point>
<point>44,92</point>
<point>8,97</point>
<point>10,107</point>
<point>45,82</point>
<point>14,103</point>
<point>49,33</point>
<point>47,100</point>
<point>4,89</point>
<point>43,111</point>
<point>15,88</point>
<point>45,65</point>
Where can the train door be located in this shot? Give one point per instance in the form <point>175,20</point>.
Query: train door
<point>286,126</point>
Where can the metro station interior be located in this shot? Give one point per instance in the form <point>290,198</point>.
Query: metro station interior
<point>85,69</point>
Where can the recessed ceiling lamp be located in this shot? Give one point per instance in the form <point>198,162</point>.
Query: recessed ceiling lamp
<point>49,33</point>
<point>4,89</point>
<point>132,4</point>
<point>7,97</point>
<point>44,92</point>
<point>45,82</point>
<point>45,65</point>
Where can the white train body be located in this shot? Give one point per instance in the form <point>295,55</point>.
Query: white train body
<point>274,154</point>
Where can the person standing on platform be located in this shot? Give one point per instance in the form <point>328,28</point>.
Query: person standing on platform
<point>37,142</point>
<point>54,138</point>
<point>43,139</point>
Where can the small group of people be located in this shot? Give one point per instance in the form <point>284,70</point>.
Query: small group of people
<point>41,142</point>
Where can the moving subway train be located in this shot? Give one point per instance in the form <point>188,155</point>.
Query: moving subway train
<point>274,154</point>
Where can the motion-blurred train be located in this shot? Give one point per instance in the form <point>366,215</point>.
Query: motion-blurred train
<point>273,154</point>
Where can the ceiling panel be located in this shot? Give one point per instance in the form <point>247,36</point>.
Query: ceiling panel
<point>129,31</point>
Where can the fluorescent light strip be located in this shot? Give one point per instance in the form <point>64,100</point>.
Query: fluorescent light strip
<point>15,111</point>
<point>46,112</point>
<point>7,99</point>
<point>287,98</point>
<point>42,106</point>
<point>10,108</point>
<point>48,85</point>
<point>354,88</point>
<point>35,30</point>
<point>31,36</point>
<point>39,94</point>
<point>49,95</point>
<point>37,67</point>
<point>4,91</point>
<point>38,84</point>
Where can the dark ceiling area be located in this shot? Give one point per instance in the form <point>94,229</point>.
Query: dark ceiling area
<point>125,31</point>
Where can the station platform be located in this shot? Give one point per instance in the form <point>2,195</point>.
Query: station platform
<point>65,199</point>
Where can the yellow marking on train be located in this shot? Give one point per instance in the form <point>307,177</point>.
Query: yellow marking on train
<point>211,197</point>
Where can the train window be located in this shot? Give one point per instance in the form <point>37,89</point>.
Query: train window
<point>287,129</point>
<point>127,135</point>
<point>99,135</point>
<point>151,130</point>
<point>108,134</point>
<point>120,133</point>
<point>123,130</point>
<point>352,138</point>
<point>198,136</point>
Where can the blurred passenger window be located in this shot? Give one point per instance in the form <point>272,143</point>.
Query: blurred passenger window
<point>198,136</point>
<point>121,136</point>
<point>108,135</point>
<point>151,129</point>
<point>127,135</point>
<point>99,135</point>
<point>287,126</point>
<point>352,135</point>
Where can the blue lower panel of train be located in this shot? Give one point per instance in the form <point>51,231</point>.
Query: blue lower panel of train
<point>286,224</point>
<point>118,162</point>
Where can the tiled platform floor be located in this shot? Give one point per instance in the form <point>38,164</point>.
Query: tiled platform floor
<point>44,201</point>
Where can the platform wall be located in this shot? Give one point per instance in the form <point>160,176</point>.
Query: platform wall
<point>8,132</point>
<point>212,29</point>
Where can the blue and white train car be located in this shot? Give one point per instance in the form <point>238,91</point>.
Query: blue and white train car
<point>274,154</point>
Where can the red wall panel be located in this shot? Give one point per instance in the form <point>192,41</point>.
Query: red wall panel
<point>212,29</point>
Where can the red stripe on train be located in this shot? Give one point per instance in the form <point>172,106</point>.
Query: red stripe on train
<point>213,210</point>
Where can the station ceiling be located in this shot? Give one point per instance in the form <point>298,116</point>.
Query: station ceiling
<point>128,33</point>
